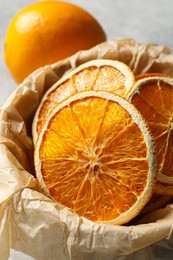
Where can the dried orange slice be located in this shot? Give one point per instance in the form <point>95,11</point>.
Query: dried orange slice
<point>96,156</point>
<point>106,75</point>
<point>153,97</point>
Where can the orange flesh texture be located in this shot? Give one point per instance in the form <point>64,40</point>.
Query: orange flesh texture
<point>94,159</point>
<point>155,103</point>
<point>105,78</point>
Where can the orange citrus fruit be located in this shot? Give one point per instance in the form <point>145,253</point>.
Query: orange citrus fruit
<point>45,32</point>
<point>96,156</point>
<point>153,97</point>
<point>107,75</point>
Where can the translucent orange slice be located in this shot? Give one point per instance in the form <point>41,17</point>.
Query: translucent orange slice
<point>96,156</point>
<point>153,97</point>
<point>108,75</point>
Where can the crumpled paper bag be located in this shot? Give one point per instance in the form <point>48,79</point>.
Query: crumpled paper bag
<point>35,225</point>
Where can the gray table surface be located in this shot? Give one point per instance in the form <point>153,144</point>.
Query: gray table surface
<point>146,21</point>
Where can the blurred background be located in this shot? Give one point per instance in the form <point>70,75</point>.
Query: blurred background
<point>148,21</point>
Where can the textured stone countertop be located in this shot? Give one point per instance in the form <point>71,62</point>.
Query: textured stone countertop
<point>146,21</point>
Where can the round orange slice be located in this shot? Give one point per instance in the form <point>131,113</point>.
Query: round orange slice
<point>96,156</point>
<point>106,75</point>
<point>153,97</point>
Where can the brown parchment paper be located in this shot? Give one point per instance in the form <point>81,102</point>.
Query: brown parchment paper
<point>35,225</point>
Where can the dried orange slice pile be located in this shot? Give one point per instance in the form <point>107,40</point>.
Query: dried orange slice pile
<point>103,141</point>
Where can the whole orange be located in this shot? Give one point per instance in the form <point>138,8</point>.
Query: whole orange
<point>45,32</point>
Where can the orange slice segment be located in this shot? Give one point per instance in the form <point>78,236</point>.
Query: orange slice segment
<point>108,75</point>
<point>96,156</point>
<point>153,97</point>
